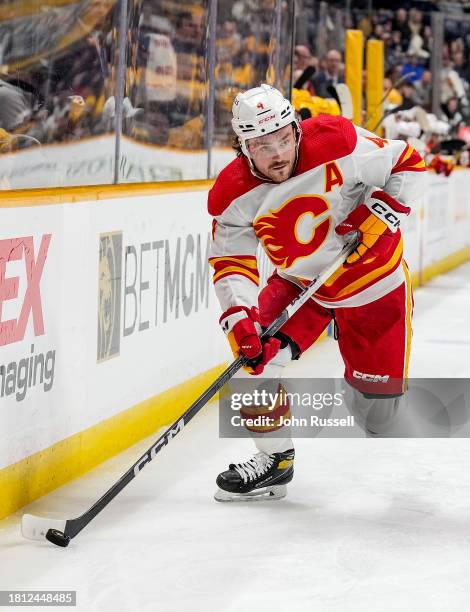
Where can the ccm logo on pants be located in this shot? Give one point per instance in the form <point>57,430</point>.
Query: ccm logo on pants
<point>371,377</point>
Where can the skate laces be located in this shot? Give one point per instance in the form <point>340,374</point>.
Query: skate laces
<point>255,467</point>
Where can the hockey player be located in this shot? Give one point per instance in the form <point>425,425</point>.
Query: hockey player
<point>299,190</point>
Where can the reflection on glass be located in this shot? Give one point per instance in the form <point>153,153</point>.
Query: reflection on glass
<point>59,75</point>
<point>56,85</point>
<point>248,34</point>
<point>166,86</point>
<point>167,80</point>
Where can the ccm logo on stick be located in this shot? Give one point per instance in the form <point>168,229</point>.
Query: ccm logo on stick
<point>14,249</point>
<point>371,377</point>
<point>157,446</point>
<point>382,211</point>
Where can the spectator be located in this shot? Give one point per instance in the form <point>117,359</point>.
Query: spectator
<point>243,74</point>
<point>393,96</point>
<point>412,69</point>
<point>303,59</point>
<point>400,23</point>
<point>461,67</point>
<point>408,93</point>
<point>423,90</point>
<point>415,22</point>
<point>331,75</point>
<point>453,114</point>
<point>230,38</point>
<point>451,83</point>
<point>393,52</point>
<point>159,75</point>
<point>188,43</point>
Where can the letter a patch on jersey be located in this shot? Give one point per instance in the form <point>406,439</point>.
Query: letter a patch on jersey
<point>333,176</point>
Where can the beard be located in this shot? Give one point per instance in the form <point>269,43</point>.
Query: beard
<point>280,171</point>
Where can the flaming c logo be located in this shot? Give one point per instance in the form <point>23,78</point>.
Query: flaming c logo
<point>294,230</point>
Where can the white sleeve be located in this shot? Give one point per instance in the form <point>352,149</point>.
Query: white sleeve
<point>233,257</point>
<point>391,165</point>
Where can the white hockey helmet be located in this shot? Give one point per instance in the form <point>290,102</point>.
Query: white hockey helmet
<point>260,111</point>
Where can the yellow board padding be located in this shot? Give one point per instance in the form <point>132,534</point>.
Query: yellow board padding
<point>442,266</point>
<point>354,65</point>
<point>41,473</point>
<point>374,83</point>
<point>14,198</point>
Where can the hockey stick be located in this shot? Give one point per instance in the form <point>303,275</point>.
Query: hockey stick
<point>342,95</point>
<point>60,532</point>
<point>304,77</point>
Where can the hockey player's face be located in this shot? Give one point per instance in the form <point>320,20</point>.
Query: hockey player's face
<point>274,154</point>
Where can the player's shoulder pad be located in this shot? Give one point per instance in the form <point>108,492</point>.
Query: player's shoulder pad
<point>325,138</point>
<point>234,181</point>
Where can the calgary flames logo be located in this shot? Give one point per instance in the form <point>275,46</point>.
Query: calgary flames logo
<point>293,231</point>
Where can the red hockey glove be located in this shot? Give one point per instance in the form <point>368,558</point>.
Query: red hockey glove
<point>241,325</point>
<point>378,225</point>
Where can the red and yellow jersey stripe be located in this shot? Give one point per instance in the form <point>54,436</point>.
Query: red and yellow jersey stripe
<point>245,265</point>
<point>409,161</point>
<point>347,282</point>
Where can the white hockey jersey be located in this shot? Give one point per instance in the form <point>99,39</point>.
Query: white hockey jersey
<point>338,166</point>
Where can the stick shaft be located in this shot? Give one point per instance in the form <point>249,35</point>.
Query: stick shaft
<point>74,526</point>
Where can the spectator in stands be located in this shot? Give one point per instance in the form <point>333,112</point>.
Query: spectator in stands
<point>303,59</point>
<point>408,93</point>
<point>243,74</point>
<point>400,24</point>
<point>451,83</point>
<point>453,114</point>
<point>393,53</point>
<point>415,23</point>
<point>393,96</point>
<point>229,38</point>
<point>462,67</point>
<point>156,80</point>
<point>423,90</point>
<point>331,75</point>
<point>412,68</point>
<point>188,44</point>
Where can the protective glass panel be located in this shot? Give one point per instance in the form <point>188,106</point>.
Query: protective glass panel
<point>253,47</point>
<point>321,26</point>
<point>164,108</point>
<point>454,83</point>
<point>56,92</point>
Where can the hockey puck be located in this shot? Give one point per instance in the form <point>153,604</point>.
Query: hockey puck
<point>57,537</point>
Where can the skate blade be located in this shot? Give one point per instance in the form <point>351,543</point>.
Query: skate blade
<point>266,494</point>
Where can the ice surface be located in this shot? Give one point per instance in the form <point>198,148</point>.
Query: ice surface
<point>368,525</point>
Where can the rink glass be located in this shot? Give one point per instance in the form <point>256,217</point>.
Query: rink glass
<point>111,91</point>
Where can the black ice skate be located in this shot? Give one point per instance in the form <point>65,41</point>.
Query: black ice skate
<point>263,477</point>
